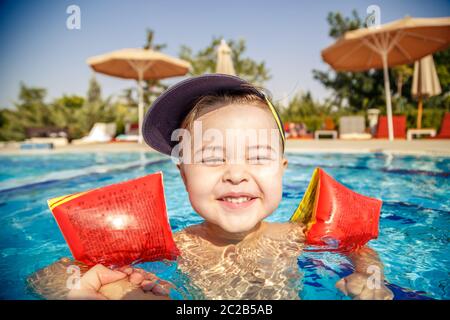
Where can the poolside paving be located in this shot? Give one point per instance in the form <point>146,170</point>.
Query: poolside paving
<point>414,147</point>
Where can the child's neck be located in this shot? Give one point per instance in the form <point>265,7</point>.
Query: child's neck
<point>221,237</point>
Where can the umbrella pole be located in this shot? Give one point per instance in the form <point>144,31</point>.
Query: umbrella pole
<point>387,90</point>
<point>140,105</point>
<point>419,107</point>
<point>140,69</point>
<point>419,113</point>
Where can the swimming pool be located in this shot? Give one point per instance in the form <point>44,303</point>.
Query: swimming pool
<point>415,220</point>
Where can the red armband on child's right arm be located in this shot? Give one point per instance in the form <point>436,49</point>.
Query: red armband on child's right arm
<point>117,225</point>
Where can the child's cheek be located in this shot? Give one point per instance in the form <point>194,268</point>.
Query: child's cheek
<point>269,171</point>
<point>201,180</point>
<point>270,180</point>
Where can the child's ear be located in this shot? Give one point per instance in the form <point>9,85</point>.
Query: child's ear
<point>284,163</point>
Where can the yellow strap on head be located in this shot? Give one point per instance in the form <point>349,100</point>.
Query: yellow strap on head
<point>277,119</point>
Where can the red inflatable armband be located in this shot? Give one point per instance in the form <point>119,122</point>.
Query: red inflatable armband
<point>335,216</point>
<point>118,224</point>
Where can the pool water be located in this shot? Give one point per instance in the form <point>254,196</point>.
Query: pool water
<point>413,242</point>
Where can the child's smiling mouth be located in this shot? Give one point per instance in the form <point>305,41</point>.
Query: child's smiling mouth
<point>237,200</point>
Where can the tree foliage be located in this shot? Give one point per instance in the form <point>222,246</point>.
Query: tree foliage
<point>72,112</point>
<point>303,109</point>
<point>204,61</point>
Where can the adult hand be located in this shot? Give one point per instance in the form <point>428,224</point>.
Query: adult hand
<point>91,282</point>
<point>356,286</point>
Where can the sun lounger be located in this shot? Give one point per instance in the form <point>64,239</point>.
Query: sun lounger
<point>35,146</point>
<point>353,128</point>
<point>132,129</point>
<point>399,123</point>
<point>54,135</point>
<point>46,132</point>
<point>57,142</point>
<point>296,131</point>
<point>327,130</point>
<point>100,132</point>
<point>131,133</point>
<point>420,132</point>
<point>329,133</point>
<point>126,138</point>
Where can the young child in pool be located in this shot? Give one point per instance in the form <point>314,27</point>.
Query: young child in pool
<point>234,253</point>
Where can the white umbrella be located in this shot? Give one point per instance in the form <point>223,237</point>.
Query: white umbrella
<point>139,64</point>
<point>425,83</point>
<point>400,42</point>
<point>224,59</point>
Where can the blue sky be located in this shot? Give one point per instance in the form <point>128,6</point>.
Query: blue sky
<point>38,49</point>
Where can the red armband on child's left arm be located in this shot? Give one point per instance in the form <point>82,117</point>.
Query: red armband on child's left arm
<point>335,216</point>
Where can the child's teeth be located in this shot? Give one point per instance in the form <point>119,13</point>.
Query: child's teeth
<point>237,200</point>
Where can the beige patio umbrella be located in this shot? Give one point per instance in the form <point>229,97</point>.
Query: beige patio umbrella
<point>224,59</point>
<point>400,42</point>
<point>139,64</point>
<point>425,83</point>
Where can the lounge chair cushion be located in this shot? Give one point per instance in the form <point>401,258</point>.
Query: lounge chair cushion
<point>444,132</point>
<point>399,123</point>
<point>352,124</point>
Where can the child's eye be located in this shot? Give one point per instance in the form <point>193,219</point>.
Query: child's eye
<point>213,161</point>
<point>259,160</point>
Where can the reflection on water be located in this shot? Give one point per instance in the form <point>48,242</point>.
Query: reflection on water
<point>413,242</point>
<point>263,268</point>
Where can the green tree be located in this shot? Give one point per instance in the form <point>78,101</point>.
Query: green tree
<point>30,111</point>
<point>94,93</point>
<point>153,88</point>
<point>402,74</point>
<point>94,109</point>
<point>204,61</point>
<point>303,109</point>
<point>442,62</point>
<point>10,127</point>
<point>340,24</point>
<point>65,111</point>
<point>72,112</point>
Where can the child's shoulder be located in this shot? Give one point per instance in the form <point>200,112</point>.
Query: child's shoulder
<point>283,229</point>
<point>274,230</point>
<point>284,226</point>
<point>187,233</point>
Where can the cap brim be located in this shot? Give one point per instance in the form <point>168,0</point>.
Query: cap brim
<point>170,108</point>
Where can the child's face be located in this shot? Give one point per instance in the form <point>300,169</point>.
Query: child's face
<point>236,195</point>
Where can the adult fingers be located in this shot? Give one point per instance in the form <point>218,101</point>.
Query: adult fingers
<point>355,284</point>
<point>341,285</point>
<point>100,275</point>
<point>136,278</point>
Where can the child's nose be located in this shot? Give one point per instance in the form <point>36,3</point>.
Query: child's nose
<point>235,173</point>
